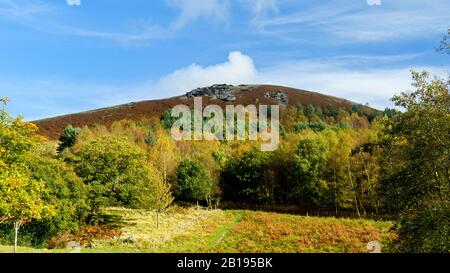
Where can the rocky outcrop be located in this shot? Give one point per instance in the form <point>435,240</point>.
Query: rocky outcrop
<point>278,96</point>
<point>224,92</point>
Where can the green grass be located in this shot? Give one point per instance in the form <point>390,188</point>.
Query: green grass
<point>9,249</point>
<point>200,230</point>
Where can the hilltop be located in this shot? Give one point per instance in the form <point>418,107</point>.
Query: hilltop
<point>219,94</point>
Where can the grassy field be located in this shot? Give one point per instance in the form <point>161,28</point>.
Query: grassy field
<point>199,230</point>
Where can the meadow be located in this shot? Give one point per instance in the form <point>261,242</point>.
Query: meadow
<point>230,231</point>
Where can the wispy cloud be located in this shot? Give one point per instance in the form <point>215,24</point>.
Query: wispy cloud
<point>192,10</point>
<point>356,21</point>
<point>42,16</point>
<point>18,9</point>
<point>260,9</point>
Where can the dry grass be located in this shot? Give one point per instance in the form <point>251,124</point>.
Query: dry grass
<point>253,232</point>
<point>142,226</point>
<point>270,232</point>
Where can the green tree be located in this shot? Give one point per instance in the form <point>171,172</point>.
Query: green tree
<point>115,170</point>
<point>310,110</point>
<point>310,158</point>
<point>167,120</point>
<point>21,196</point>
<point>68,138</point>
<point>194,181</point>
<point>65,191</point>
<point>416,165</point>
<point>300,126</point>
<point>242,178</point>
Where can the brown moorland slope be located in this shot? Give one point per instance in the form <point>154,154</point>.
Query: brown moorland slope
<point>244,95</point>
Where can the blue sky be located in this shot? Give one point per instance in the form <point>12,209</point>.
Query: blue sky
<point>57,58</point>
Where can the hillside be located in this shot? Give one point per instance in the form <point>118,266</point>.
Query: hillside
<point>216,94</point>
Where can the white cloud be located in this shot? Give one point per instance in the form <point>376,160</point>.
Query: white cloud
<point>192,10</point>
<point>238,69</point>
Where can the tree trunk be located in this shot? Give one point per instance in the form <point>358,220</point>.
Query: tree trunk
<point>16,231</point>
<point>164,164</point>
<point>354,190</point>
<point>157,219</point>
<point>335,191</point>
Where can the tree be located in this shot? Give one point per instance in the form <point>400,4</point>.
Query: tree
<point>158,195</point>
<point>167,120</point>
<point>21,196</point>
<point>16,137</point>
<point>310,110</point>
<point>163,197</point>
<point>416,165</point>
<point>317,126</point>
<point>113,167</point>
<point>66,192</point>
<point>310,158</point>
<point>300,126</point>
<point>21,199</point>
<point>68,138</point>
<point>163,154</point>
<point>341,142</point>
<point>242,178</point>
<point>194,181</point>
<point>445,43</point>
